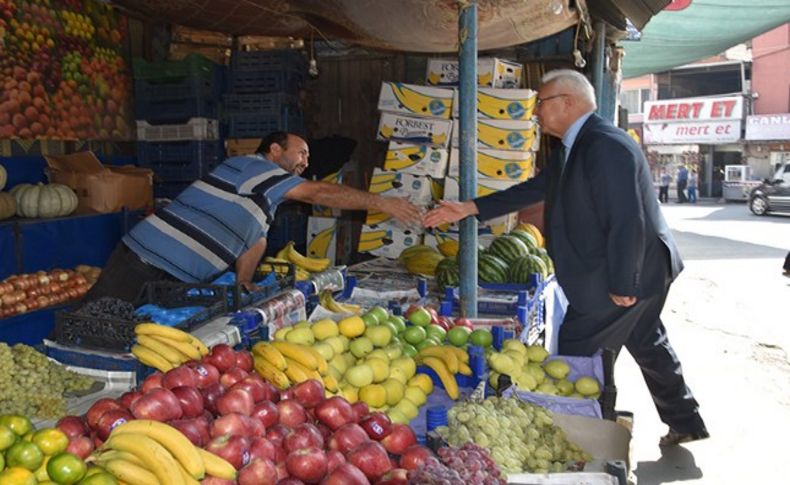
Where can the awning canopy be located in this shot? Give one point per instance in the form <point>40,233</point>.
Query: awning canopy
<point>703,29</point>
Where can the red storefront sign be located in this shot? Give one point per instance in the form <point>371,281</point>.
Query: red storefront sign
<point>693,120</point>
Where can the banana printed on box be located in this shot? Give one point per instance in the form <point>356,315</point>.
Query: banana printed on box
<point>387,239</point>
<point>515,135</point>
<point>416,159</point>
<point>322,238</point>
<point>498,164</point>
<point>415,130</point>
<point>423,101</point>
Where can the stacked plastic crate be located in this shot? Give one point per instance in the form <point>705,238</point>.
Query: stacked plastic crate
<point>177,104</point>
<point>264,89</point>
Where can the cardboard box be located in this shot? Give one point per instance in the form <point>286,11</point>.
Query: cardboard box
<point>321,211</point>
<point>491,72</point>
<point>322,237</point>
<point>178,51</point>
<point>397,184</point>
<point>179,33</point>
<point>242,146</point>
<point>415,130</point>
<point>502,104</point>
<point>452,188</point>
<point>498,164</point>
<point>515,135</point>
<point>416,100</point>
<point>416,159</point>
<point>102,189</point>
<point>387,239</point>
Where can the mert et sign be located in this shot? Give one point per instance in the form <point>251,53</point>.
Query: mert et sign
<point>693,120</point>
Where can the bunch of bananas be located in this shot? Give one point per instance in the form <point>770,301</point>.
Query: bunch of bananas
<point>446,361</point>
<point>164,348</point>
<point>146,452</point>
<point>327,300</point>
<point>270,265</point>
<point>287,363</point>
<point>311,265</point>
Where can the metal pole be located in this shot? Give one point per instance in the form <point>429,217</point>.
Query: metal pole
<point>598,61</point>
<point>467,95</point>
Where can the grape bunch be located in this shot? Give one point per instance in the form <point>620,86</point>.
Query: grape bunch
<point>465,465</point>
<point>32,385</point>
<point>533,443</point>
<point>109,307</point>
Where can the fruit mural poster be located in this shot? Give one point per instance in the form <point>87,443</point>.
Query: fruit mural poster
<point>63,71</point>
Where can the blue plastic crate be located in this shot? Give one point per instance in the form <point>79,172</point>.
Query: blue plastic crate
<point>255,126</point>
<point>176,110</point>
<point>267,60</point>
<point>188,87</point>
<point>267,81</point>
<point>180,160</point>
<point>271,104</point>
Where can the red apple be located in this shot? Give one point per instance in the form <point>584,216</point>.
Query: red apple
<point>211,395</point>
<point>334,412</point>
<point>346,474</point>
<point>233,424</point>
<point>397,476</point>
<point>109,420</point>
<point>377,425</point>
<point>292,413</point>
<point>231,377</point>
<point>399,439</point>
<point>72,426</point>
<point>235,401</point>
<point>464,322</point>
<point>152,382</point>
<point>234,449</point>
<point>191,401</point>
<point>434,315</point>
<point>326,433</point>
<point>81,446</point>
<point>445,322</point>
<point>309,393</point>
<point>259,471</point>
<point>159,404</point>
<point>305,435</point>
<point>348,437</point>
<point>411,309</point>
<point>267,413</point>
<point>180,376</point>
<point>263,448</point>
<point>334,459</point>
<point>414,456</point>
<point>195,429</point>
<point>361,410</point>
<point>307,464</point>
<point>98,408</point>
<point>371,458</point>
<point>205,373</point>
<point>209,480</point>
<point>272,393</point>
<point>244,360</point>
<point>127,398</point>
<point>287,480</point>
<point>277,433</point>
<point>222,357</point>
<point>254,385</point>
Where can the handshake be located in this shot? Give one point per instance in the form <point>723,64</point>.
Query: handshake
<point>412,215</point>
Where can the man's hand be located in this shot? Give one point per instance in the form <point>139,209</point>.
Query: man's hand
<point>402,210</point>
<point>623,301</point>
<point>449,212</point>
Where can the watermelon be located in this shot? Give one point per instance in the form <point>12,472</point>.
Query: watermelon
<point>544,255</point>
<point>525,237</point>
<point>508,248</point>
<point>448,274</point>
<point>491,269</point>
<point>520,271</point>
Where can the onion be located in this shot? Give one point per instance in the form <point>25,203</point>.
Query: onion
<point>43,279</point>
<point>54,287</point>
<point>20,308</point>
<point>43,301</point>
<point>9,299</point>
<point>33,292</point>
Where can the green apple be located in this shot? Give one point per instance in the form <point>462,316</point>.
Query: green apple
<point>420,317</point>
<point>437,332</point>
<point>394,350</point>
<point>481,337</point>
<point>361,346</point>
<point>370,319</point>
<point>398,322</point>
<point>380,312</point>
<point>414,335</point>
<point>409,350</point>
<point>380,335</point>
<point>458,336</point>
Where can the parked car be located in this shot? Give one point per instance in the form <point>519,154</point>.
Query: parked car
<point>772,195</point>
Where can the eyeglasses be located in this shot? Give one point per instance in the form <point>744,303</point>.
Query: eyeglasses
<point>543,100</point>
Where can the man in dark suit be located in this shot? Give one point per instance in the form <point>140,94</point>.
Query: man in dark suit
<point>614,254</point>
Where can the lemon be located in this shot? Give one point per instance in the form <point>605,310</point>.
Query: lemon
<point>351,327</point>
<point>381,370</point>
<point>394,390</point>
<point>337,344</point>
<point>349,393</point>
<point>374,395</point>
<point>397,373</point>
<point>324,350</point>
<point>415,395</point>
<point>408,408</point>
<point>406,364</point>
<point>423,381</point>
<point>324,329</point>
<point>359,375</point>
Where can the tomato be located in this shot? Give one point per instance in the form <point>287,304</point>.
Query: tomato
<point>18,424</point>
<point>17,476</point>
<point>51,441</point>
<point>66,468</point>
<point>7,437</point>
<point>101,478</point>
<point>25,455</point>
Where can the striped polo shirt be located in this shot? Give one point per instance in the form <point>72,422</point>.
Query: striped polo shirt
<point>202,232</point>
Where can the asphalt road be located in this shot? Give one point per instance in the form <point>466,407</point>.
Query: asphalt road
<point>728,318</point>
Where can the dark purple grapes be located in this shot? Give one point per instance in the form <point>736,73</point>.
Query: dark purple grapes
<point>466,465</point>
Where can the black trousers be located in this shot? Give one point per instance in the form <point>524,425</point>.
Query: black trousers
<point>663,193</point>
<point>124,276</point>
<point>681,187</point>
<point>640,330</point>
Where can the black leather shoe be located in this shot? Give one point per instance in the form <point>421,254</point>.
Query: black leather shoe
<point>675,438</point>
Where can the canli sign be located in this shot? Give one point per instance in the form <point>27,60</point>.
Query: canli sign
<point>693,120</point>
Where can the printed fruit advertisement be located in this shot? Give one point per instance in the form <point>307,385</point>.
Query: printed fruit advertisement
<point>63,71</point>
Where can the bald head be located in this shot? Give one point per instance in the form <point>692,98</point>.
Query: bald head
<point>564,96</point>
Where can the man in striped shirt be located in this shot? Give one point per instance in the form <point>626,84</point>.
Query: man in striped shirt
<point>221,221</point>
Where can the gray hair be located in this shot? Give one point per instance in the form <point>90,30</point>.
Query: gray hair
<point>575,81</point>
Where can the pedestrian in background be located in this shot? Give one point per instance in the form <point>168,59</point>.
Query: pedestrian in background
<point>682,182</point>
<point>692,189</point>
<point>663,188</point>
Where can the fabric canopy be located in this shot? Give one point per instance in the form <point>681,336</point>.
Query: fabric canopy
<point>703,29</point>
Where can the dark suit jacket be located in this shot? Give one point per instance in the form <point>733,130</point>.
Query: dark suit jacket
<point>605,230</point>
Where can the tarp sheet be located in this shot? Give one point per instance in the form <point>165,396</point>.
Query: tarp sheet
<point>703,29</point>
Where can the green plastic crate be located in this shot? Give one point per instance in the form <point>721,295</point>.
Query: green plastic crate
<point>192,65</point>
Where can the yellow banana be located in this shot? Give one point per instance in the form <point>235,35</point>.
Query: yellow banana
<point>313,265</point>
<point>422,104</point>
<point>447,355</point>
<point>109,454</point>
<point>464,369</point>
<point>492,135</point>
<point>283,253</point>
<point>189,350</point>
<point>319,246</point>
<point>448,379</point>
<point>172,439</point>
<point>310,373</point>
<point>461,354</point>
<point>162,331</point>
<point>281,268</point>
<point>130,473</point>
<point>216,466</point>
<point>296,352</point>
<point>323,366</point>
<point>492,106</point>
<point>198,344</point>
<point>296,373</point>
<point>270,354</point>
<point>301,275</point>
<point>188,479</point>
<point>150,358</point>
<point>331,383</point>
<point>173,355</point>
<point>155,456</point>
<point>266,370</point>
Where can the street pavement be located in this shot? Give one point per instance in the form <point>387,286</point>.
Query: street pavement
<point>728,319</point>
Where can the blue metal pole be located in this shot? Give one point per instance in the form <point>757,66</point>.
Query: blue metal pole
<point>467,84</point>
<point>598,61</point>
